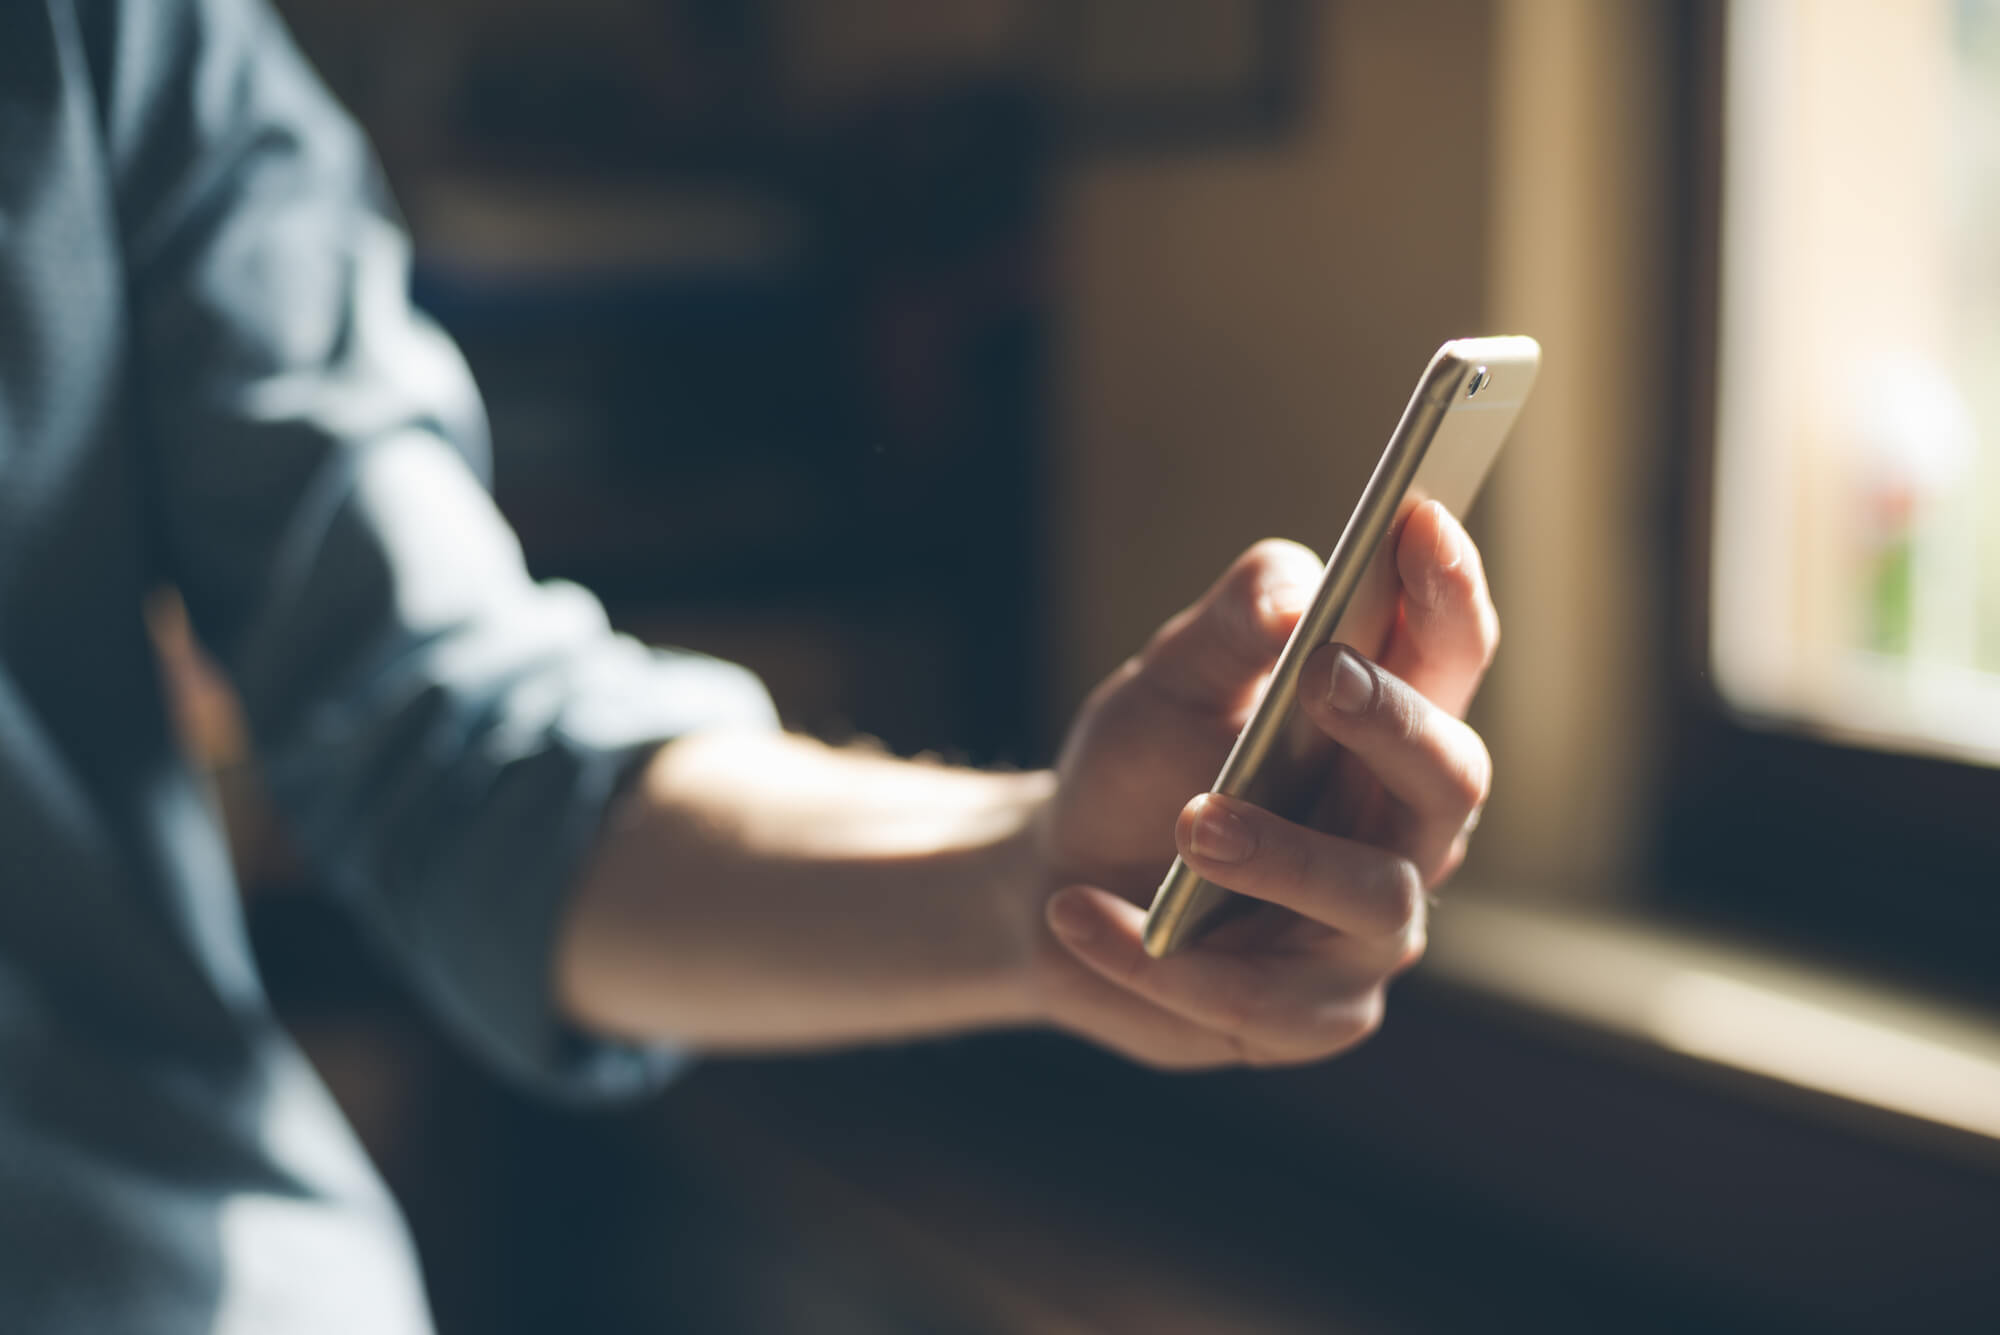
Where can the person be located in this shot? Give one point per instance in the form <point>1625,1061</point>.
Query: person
<point>589,857</point>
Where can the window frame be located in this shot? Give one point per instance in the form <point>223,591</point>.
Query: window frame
<point>1889,859</point>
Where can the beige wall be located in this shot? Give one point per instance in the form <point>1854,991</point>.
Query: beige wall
<point>1242,327</point>
<point>1582,236</point>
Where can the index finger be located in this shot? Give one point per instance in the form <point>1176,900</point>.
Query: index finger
<point>1214,655</point>
<point>1449,630</point>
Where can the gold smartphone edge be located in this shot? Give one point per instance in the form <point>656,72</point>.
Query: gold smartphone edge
<point>1179,907</point>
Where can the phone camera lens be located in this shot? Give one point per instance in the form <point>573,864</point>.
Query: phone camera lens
<point>1480,377</point>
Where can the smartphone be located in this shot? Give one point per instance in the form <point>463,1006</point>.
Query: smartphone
<point>1464,406</point>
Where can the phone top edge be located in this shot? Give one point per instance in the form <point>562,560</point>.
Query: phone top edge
<point>1507,362</point>
<point>1516,349</point>
<point>1441,382</point>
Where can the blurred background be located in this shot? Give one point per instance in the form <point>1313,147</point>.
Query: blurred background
<point>925,354</point>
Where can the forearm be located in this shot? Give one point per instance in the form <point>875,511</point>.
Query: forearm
<point>760,891</point>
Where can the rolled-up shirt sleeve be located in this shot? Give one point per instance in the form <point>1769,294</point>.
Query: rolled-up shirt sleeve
<point>442,733</point>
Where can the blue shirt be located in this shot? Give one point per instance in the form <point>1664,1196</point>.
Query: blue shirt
<point>210,379</point>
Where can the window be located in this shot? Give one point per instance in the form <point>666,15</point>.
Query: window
<point>1835,755</point>
<point>1855,579</point>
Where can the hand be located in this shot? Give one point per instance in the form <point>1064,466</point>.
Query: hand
<point>1267,988</point>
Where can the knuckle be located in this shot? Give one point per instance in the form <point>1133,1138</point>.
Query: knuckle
<point>1246,624</point>
<point>1275,579</point>
<point>1483,763</point>
<point>1452,859</point>
<point>1287,853</point>
<point>1368,1017</point>
<point>1401,711</point>
<point>1402,898</point>
<point>1410,948</point>
<point>1244,578</point>
<point>1169,631</point>
<point>1489,633</point>
<point>1473,777</point>
<point>1452,591</point>
<point>1280,855</point>
<point>1346,1023</point>
<point>1278,556</point>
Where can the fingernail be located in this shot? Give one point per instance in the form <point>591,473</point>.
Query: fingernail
<point>1450,540</point>
<point>1072,919</point>
<point>1350,688</point>
<point>1220,835</point>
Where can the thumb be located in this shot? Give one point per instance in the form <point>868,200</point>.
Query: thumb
<point>1214,655</point>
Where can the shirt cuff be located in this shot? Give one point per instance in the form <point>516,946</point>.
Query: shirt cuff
<point>489,929</point>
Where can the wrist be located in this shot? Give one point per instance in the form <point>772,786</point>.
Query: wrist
<point>1024,876</point>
